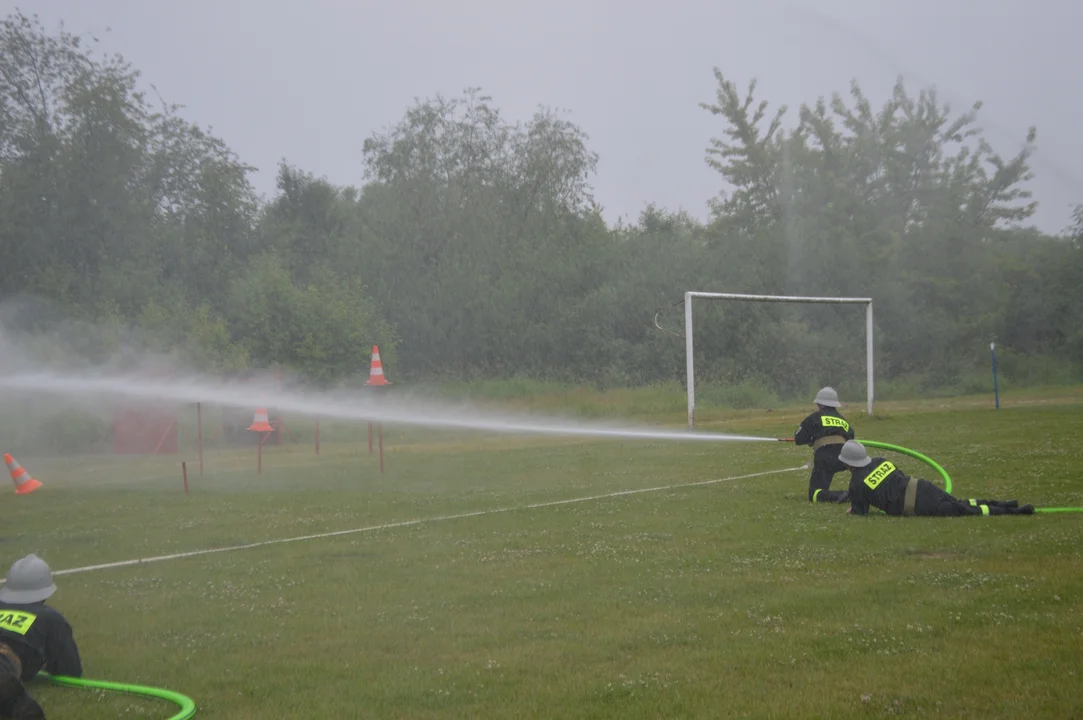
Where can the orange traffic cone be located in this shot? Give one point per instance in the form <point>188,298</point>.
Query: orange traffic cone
<point>260,422</point>
<point>24,484</point>
<point>376,370</point>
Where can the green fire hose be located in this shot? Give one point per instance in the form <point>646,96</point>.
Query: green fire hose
<point>916,455</point>
<point>187,705</point>
<point>905,451</point>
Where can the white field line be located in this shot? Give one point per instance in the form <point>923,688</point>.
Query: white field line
<point>406,523</point>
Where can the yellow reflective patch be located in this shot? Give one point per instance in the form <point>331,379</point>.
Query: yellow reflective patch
<point>877,476</point>
<point>16,621</point>
<point>829,421</point>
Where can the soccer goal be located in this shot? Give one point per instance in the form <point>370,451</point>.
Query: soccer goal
<point>689,296</point>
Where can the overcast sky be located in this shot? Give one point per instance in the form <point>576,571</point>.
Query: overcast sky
<point>308,81</point>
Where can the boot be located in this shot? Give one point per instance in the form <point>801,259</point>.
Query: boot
<point>831,496</point>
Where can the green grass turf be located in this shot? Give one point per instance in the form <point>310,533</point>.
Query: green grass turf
<point>727,599</point>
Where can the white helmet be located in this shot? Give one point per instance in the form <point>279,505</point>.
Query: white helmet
<point>853,454</point>
<point>828,398</point>
<point>29,580</point>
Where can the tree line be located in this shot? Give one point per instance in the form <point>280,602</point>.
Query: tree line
<point>474,248</point>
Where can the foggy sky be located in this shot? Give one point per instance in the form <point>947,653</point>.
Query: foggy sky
<point>309,81</point>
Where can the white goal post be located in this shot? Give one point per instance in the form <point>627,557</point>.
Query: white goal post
<point>867,302</point>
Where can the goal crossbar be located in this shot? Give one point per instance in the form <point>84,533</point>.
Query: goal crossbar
<point>688,297</point>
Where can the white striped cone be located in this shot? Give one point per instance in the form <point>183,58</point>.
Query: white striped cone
<point>376,369</point>
<point>261,423</point>
<point>24,484</point>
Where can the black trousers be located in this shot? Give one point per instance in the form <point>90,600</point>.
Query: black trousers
<point>825,465</point>
<point>931,500</point>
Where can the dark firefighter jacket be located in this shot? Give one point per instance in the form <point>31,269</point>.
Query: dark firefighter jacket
<point>879,484</point>
<point>821,424</point>
<point>41,637</point>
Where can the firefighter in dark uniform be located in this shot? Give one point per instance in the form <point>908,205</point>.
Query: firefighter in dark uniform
<point>825,430</point>
<point>876,482</point>
<point>32,636</point>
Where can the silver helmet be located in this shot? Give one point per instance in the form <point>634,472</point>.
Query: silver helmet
<point>853,454</point>
<point>828,398</point>
<point>29,580</point>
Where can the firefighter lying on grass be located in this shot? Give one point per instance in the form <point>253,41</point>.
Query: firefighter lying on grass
<point>876,482</point>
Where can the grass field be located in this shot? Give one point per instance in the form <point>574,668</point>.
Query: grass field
<point>723,599</point>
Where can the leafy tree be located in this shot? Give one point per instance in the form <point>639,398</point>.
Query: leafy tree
<point>106,204</point>
<point>482,230</point>
<point>324,329</point>
<point>897,204</point>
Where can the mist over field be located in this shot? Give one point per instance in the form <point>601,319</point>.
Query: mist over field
<point>471,245</point>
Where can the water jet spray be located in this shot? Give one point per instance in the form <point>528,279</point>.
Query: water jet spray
<point>339,406</point>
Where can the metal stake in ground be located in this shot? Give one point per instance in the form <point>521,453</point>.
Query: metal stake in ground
<point>199,435</point>
<point>184,474</point>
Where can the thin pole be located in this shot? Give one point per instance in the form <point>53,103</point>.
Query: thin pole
<point>688,359</point>
<point>869,391</point>
<point>782,298</point>
<point>381,448</point>
<point>199,435</point>
<point>184,474</point>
